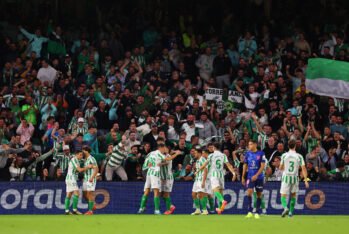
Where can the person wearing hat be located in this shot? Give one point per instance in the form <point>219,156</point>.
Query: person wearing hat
<point>80,128</point>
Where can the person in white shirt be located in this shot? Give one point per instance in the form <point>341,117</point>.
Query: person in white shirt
<point>251,99</point>
<point>47,74</point>
<point>189,127</point>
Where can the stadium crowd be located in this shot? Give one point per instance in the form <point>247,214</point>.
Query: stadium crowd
<point>61,90</point>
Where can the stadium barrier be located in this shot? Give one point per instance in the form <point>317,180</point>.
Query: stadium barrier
<point>123,198</point>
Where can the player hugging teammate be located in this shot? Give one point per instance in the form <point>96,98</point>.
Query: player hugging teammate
<point>159,178</point>
<point>90,171</point>
<point>202,186</point>
<point>215,168</point>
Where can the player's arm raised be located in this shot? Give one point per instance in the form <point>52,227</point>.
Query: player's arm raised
<point>174,155</point>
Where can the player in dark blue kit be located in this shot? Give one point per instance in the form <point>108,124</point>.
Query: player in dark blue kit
<point>254,165</point>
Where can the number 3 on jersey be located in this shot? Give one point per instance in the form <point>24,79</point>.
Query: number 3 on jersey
<point>291,168</point>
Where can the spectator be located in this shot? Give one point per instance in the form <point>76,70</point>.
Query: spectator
<point>340,173</point>
<point>25,130</point>
<point>313,157</point>
<point>30,111</point>
<point>277,173</point>
<point>222,69</point>
<point>247,46</point>
<point>152,136</point>
<point>312,174</point>
<point>205,64</point>
<point>47,74</point>
<point>186,174</point>
<point>207,128</point>
<point>118,84</point>
<point>36,41</point>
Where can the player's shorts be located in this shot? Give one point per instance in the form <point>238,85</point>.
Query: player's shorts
<point>71,186</point>
<point>88,186</point>
<point>166,186</point>
<point>152,182</point>
<point>216,183</point>
<point>257,185</point>
<point>197,188</point>
<point>264,182</point>
<point>289,188</point>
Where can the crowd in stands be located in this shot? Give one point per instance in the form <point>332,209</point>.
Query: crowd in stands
<point>58,93</point>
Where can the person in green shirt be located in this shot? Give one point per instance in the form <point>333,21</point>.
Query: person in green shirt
<point>83,59</point>
<point>341,173</point>
<point>30,111</point>
<point>112,137</point>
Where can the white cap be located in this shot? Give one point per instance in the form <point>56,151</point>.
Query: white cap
<point>66,147</point>
<point>81,120</point>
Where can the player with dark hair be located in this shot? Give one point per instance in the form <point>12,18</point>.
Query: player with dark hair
<point>253,165</point>
<point>215,163</point>
<point>290,164</point>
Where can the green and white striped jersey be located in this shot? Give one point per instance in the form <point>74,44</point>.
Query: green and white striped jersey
<point>216,162</point>
<point>72,174</point>
<point>154,159</point>
<point>262,139</point>
<point>58,145</point>
<point>117,157</point>
<point>89,172</point>
<point>291,161</point>
<point>166,171</point>
<point>63,160</point>
<point>78,130</point>
<point>146,162</point>
<point>90,112</point>
<point>198,165</point>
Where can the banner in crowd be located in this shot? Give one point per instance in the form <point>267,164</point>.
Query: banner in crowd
<point>235,97</point>
<point>234,101</point>
<point>212,94</point>
<point>124,197</point>
<point>215,96</point>
<point>328,77</point>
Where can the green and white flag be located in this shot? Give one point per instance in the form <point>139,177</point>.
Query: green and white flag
<point>328,77</point>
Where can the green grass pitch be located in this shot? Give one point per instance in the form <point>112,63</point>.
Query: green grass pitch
<point>176,224</point>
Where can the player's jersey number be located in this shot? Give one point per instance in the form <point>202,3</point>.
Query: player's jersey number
<point>218,164</point>
<point>291,168</point>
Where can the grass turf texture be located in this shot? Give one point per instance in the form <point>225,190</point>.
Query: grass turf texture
<point>131,224</point>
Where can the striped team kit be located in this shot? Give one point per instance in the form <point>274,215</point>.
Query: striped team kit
<point>151,163</point>
<point>290,179</point>
<point>71,180</point>
<point>197,186</point>
<point>87,185</point>
<point>115,164</point>
<point>166,177</point>
<point>216,169</point>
